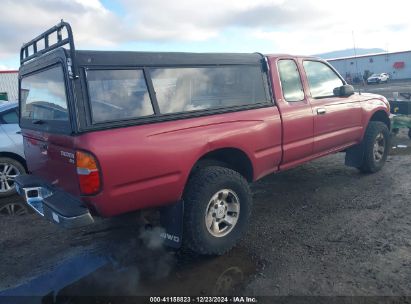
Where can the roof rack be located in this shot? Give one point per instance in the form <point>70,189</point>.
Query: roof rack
<point>26,54</point>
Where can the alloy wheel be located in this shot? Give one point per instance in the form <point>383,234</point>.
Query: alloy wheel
<point>8,173</point>
<point>222,213</point>
<point>13,209</point>
<point>379,147</point>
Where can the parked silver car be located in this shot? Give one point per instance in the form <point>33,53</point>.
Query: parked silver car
<point>378,78</point>
<point>12,162</point>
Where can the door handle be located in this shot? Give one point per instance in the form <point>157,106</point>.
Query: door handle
<point>321,111</point>
<point>18,132</point>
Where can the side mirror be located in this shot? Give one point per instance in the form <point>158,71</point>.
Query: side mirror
<point>343,91</point>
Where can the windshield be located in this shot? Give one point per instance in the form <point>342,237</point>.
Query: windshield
<point>43,96</point>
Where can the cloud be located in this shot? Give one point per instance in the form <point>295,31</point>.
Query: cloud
<point>4,67</point>
<point>94,24</point>
<point>187,20</point>
<point>292,26</point>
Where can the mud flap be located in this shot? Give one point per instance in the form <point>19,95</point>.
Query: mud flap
<point>171,219</point>
<point>354,156</point>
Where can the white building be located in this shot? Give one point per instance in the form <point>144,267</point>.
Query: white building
<point>9,85</point>
<point>397,64</point>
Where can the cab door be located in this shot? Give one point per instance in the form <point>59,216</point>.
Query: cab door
<point>296,112</point>
<point>337,120</point>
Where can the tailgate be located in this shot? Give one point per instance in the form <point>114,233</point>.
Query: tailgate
<point>52,158</point>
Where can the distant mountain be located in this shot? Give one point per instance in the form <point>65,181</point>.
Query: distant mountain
<point>348,53</point>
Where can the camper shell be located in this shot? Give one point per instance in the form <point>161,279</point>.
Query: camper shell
<point>76,64</point>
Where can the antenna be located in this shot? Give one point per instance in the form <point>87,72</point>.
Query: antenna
<point>356,61</point>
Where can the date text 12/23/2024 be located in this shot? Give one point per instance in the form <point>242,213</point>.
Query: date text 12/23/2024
<point>203,299</point>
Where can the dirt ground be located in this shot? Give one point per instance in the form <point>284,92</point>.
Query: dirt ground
<point>321,229</point>
<point>329,230</point>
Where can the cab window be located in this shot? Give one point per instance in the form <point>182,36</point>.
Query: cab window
<point>290,80</point>
<point>322,80</point>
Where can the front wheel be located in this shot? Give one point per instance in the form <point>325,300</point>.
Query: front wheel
<point>376,147</point>
<point>217,208</point>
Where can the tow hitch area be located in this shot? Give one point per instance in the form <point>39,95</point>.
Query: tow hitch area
<point>34,197</point>
<point>55,205</point>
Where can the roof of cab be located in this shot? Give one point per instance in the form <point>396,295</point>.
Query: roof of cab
<point>276,56</point>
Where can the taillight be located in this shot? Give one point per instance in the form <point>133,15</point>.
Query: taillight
<point>88,173</point>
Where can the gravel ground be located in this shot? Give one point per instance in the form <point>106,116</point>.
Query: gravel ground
<point>321,229</point>
<point>325,229</point>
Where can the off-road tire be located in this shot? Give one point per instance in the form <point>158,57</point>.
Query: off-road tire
<point>203,184</point>
<point>19,167</point>
<point>369,164</point>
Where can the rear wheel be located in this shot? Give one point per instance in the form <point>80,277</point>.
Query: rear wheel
<point>9,170</point>
<point>376,147</point>
<point>217,208</point>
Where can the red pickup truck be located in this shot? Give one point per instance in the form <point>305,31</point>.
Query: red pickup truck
<point>107,133</point>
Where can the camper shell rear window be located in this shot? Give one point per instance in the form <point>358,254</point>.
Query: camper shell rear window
<point>44,99</point>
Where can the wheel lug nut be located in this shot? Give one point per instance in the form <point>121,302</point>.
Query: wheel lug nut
<point>215,206</point>
<point>214,215</point>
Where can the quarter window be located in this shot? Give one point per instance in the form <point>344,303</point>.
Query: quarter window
<point>118,95</point>
<point>321,79</point>
<point>290,80</point>
<point>192,89</point>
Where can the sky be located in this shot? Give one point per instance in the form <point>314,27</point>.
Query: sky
<point>300,27</point>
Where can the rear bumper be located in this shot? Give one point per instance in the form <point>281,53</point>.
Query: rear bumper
<point>57,206</point>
